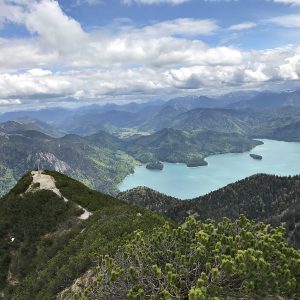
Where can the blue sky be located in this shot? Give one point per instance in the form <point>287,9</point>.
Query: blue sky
<point>225,13</point>
<point>72,52</point>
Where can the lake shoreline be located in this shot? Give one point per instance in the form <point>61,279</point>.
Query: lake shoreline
<point>183,182</point>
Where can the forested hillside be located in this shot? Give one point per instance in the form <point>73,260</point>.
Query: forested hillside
<point>173,145</point>
<point>260,197</point>
<point>44,245</point>
<point>128,252</point>
<point>97,166</point>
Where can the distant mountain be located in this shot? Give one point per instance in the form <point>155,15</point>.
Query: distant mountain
<point>288,133</point>
<point>91,122</point>
<point>101,160</point>
<point>126,116</point>
<point>89,119</point>
<point>25,124</point>
<point>98,166</point>
<point>187,113</point>
<point>238,96</point>
<point>106,140</point>
<point>221,120</point>
<point>268,101</point>
<point>174,145</point>
<point>217,119</point>
<point>247,122</point>
<point>191,102</point>
<point>162,119</point>
<point>48,115</point>
<point>267,198</point>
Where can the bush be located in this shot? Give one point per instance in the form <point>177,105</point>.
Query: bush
<point>236,260</point>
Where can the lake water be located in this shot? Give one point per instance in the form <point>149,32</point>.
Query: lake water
<point>280,158</point>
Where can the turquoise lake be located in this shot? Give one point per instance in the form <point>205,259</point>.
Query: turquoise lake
<point>177,180</point>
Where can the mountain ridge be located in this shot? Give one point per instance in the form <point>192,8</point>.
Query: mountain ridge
<point>45,243</point>
<point>269,198</point>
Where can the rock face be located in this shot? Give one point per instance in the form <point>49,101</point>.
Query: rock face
<point>50,160</point>
<point>256,156</point>
<point>157,165</point>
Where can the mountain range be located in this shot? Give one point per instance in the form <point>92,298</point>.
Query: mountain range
<point>101,160</point>
<point>100,145</point>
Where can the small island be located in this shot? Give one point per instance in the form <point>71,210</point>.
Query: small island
<point>157,165</point>
<point>196,163</point>
<point>256,156</point>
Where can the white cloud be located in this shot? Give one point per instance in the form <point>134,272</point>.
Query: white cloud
<point>8,102</point>
<point>88,2</point>
<point>242,26</point>
<point>184,26</point>
<point>29,83</point>
<point>161,58</point>
<point>246,69</point>
<point>289,21</point>
<point>39,72</point>
<point>293,2</point>
<point>46,19</point>
<point>174,2</point>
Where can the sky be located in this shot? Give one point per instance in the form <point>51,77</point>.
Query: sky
<point>74,52</point>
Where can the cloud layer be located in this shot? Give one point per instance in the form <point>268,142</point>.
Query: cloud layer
<point>60,59</point>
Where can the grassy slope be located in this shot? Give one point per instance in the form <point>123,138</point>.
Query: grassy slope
<point>52,246</point>
<point>26,218</point>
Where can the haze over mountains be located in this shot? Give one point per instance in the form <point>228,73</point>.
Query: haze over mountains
<point>100,145</point>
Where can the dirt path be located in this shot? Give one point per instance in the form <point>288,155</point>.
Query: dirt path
<point>47,182</point>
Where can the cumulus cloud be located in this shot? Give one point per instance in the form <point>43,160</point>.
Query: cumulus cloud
<point>9,102</point>
<point>292,2</point>
<point>289,21</point>
<point>242,26</point>
<point>88,2</point>
<point>60,59</point>
<point>247,69</point>
<point>174,2</point>
<point>183,26</point>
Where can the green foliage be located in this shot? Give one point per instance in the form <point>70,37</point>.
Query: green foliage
<point>6,179</point>
<point>226,260</point>
<point>268,198</point>
<point>81,194</point>
<point>105,230</point>
<point>288,133</point>
<point>43,244</point>
<point>97,164</point>
<point>24,220</point>
<point>187,147</point>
